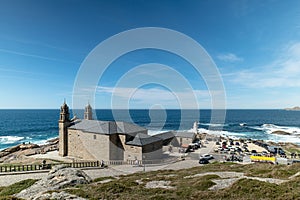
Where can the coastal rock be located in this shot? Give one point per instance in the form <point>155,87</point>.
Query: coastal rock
<point>59,177</point>
<point>296,108</point>
<point>12,149</point>
<point>28,146</point>
<point>53,141</point>
<point>281,133</point>
<point>57,195</point>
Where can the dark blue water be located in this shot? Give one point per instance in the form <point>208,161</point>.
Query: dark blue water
<point>37,126</point>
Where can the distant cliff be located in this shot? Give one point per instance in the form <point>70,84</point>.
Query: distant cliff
<point>297,108</point>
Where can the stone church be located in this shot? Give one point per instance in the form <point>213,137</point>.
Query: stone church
<point>90,139</point>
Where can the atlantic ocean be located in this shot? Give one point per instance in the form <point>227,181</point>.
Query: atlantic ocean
<point>38,126</point>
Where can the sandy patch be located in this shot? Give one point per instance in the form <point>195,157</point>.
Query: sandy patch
<point>258,149</point>
<point>159,184</point>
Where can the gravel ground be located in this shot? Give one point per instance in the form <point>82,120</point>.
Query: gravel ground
<point>112,170</point>
<point>11,179</point>
<point>6,180</point>
<point>96,173</point>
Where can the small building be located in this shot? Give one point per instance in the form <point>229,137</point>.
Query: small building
<point>90,139</point>
<point>183,138</point>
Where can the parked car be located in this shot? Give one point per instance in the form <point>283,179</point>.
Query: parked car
<point>238,149</point>
<point>203,161</point>
<point>224,150</point>
<point>190,149</point>
<point>207,156</point>
<point>253,151</point>
<point>197,145</point>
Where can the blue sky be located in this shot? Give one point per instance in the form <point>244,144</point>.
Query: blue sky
<point>255,45</point>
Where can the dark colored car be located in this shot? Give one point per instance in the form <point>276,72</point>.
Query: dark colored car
<point>253,151</point>
<point>203,161</point>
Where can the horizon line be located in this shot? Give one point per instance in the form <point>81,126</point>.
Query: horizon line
<point>149,109</point>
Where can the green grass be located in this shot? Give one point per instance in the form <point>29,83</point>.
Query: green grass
<point>126,187</point>
<point>103,178</point>
<point>292,150</point>
<point>198,187</point>
<point>6,192</point>
<point>8,198</point>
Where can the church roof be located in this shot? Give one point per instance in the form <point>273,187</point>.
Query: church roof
<point>142,139</point>
<point>107,127</point>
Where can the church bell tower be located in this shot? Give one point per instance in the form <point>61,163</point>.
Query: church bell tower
<point>88,113</point>
<point>63,124</point>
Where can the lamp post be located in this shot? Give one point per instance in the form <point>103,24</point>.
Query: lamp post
<point>144,163</point>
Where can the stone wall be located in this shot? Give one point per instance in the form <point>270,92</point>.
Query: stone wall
<point>133,153</point>
<point>63,138</point>
<point>178,141</point>
<point>88,146</point>
<point>91,146</point>
<point>130,152</point>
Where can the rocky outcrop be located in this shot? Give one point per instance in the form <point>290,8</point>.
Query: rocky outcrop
<point>58,195</point>
<point>281,133</point>
<point>59,177</point>
<point>20,153</point>
<point>297,108</point>
<point>12,149</point>
<point>28,146</point>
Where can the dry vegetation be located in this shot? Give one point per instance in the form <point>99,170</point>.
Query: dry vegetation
<point>127,187</point>
<point>133,186</point>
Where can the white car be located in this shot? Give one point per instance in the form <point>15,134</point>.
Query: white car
<point>207,156</point>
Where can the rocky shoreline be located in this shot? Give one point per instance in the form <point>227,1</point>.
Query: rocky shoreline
<point>24,153</point>
<point>20,153</point>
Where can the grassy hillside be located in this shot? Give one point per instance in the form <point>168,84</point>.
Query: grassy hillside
<point>127,187</point>
<point>183,184</point>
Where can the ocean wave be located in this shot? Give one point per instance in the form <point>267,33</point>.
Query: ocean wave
<point>270,128</point>
<point>10,139</point>
<point>212,124</point>
<point>222,133</point>
<point>283,138</point>
<point>253,135</point>
<point>243,124</point>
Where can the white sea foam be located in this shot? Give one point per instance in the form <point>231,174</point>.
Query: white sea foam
<point>243,124</point>
<point>10,139</point>
<point>267,129</point>
<point>42,142</point>
<point>212,124</point>
<point>266,135</point>
<point>270,128</point>
<point>214,132</point>
<point>283,138</point>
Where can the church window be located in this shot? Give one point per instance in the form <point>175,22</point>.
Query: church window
<point>95,137</point>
